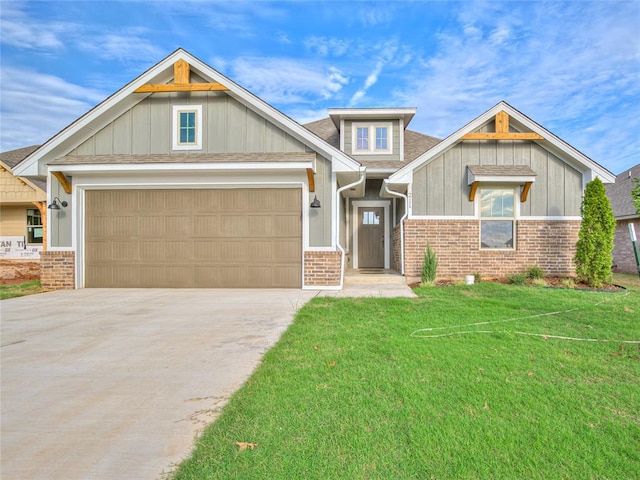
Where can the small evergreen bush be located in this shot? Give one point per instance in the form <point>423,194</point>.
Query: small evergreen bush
<point>594,250</point>
<point>535,272</point>
<point>429,265</point>
<point>517,278</point>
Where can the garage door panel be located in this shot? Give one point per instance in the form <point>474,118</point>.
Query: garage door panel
<point>207,225</point>
<point>150,226</point>
<point>193,238</point>
<point>207,251</point>
<point>151,251</point>
<point>287,226</point>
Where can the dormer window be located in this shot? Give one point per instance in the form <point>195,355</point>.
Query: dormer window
<point>187,127</point>
<point>372,138</point>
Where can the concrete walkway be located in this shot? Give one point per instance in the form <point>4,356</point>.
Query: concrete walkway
<point>115,384</point>
<point>360,283</point>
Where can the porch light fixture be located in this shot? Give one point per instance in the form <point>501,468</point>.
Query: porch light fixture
<point>55,205</point>
<point>316,202</point>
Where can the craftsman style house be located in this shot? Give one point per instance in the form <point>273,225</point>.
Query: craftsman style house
<point>22,210</point>
<point>183,178</point>
<point>619,193</point>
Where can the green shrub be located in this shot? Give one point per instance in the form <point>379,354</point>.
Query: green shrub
<point>594,250</point>
<point>429,265</point>
<point>517,278</point>
<point>538,282</point>
<point>477,276</point>
<point>568,282</point>
<point>635,194</point>
<point>535,272</point>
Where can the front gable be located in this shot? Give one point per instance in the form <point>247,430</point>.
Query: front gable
<point>138,120</point>
<point>439,179</point>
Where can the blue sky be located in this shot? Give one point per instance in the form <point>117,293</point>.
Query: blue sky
<point>573,67</point>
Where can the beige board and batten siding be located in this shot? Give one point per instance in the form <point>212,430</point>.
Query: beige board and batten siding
<point>395,133</point>
<point>228,127</point>
<point>440,187</point>
<point>202,238</point>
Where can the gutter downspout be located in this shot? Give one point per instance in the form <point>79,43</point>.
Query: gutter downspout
<point>342,254</point>
<point>402,219</point>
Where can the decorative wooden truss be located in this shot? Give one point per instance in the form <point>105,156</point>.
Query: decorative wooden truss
<point>181,82</point>
<point>502,131</point>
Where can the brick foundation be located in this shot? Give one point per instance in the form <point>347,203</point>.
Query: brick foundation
<point>322,269</point>
<point>57,270</point>
<point>549,244</point>
<point>623,257</point>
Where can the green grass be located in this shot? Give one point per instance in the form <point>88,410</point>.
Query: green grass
<point>20,289</point>
<point>356,389</point>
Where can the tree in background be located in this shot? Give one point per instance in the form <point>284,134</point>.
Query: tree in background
<point>594,250</point>
<point>635,194</point>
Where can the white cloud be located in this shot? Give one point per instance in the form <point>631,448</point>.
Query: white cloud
<point>21,31</point>
<point>118,45</point>
<point>286,81</point>
<point>329,46</point>
<point>36,106</point>
<point>386,54</point>
<point>565,74</point>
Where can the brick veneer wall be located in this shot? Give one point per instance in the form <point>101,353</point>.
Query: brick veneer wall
<point>322,269</point>
<point>623,257</point>
<point>57,270</point>
<point>549,244</point>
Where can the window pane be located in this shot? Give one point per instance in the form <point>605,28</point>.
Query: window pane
<point>496,233</point>
<point>362,139</point>
<point>381,138</point>
<point>33,217</point>
<point>187,127</point>
<point>496,203</point>
<point>370,218</point>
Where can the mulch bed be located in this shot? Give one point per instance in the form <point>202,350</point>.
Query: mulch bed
<point>551,282</point>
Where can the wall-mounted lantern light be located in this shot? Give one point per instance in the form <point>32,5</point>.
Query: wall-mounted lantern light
<point>316,202</point>
<point>55,205</point>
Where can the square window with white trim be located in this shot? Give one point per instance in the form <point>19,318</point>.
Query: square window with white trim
<point>497,219</point>
<point>187,127</point>
<point>374,138</point>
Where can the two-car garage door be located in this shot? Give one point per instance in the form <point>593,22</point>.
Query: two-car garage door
<point>193,238</point>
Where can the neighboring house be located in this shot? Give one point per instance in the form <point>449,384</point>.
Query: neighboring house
<point>183,178</point>
<point>624,210</point>
<point>22,209</point>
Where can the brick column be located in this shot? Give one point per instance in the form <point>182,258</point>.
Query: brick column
<point>57,270</point>
<point>322,269</point>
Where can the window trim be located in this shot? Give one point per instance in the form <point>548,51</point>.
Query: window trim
<point>28,225</point>
<point>372,140</point>
<point>177,110</point>
<point>512,219</point>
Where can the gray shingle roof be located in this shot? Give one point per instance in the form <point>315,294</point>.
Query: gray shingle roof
<point>184,158</point>
<point>13,157</point>
<point>415,144</point>
<point>502,170</point>
<point>619,193</point>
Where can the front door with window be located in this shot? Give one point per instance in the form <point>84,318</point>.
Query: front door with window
<point>371,237</point>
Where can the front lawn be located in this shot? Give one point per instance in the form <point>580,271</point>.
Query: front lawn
<point>484,381</point>
<point>20,289</point>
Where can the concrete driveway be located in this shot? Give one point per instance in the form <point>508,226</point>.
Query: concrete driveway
<point>104,384</point>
